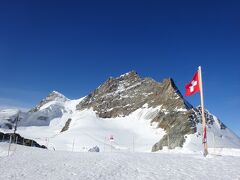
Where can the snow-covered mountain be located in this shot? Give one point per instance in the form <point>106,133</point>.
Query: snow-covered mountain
<point>138,114</point>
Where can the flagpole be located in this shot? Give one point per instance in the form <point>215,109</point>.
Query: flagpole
<point>203,112</point>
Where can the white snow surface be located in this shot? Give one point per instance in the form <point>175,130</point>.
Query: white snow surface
<point>26,163</point>
<point>127,156</point>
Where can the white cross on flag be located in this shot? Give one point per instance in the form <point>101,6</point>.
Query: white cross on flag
<point>193,87</point>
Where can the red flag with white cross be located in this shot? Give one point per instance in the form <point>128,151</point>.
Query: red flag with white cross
<point>194,86</point>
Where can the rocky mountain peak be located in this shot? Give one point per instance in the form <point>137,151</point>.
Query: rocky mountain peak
<point>122,95</point>
<point>52,96</point>
<point>169,82</point>
<point>118,84</point>
<point>169,85</point>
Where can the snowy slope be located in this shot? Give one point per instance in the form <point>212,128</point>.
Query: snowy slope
<point>87,130</point>
<point>30,163</point>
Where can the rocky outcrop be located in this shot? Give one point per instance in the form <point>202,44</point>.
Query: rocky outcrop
<point>177,125</point>
<point>127,93</point>
<point>17,139</point>
<point>66,126</point>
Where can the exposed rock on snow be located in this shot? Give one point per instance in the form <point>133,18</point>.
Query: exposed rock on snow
<point>94,149</point>
<point>17,139</point>
<point>177,125</point>
<point>66,126</point>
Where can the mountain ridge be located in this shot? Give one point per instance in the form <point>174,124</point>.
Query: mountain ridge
<point>128,97</point>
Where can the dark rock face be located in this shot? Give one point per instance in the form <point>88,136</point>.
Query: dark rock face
<point>66,126</point>
<point>94,149</point>
<point>17,139</point>
<point>177,125</point>
<point>127,93</point>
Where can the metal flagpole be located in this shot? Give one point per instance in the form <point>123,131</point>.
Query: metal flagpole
<point>205,152</point>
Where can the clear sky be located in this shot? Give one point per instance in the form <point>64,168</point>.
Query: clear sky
<point>73,46</point>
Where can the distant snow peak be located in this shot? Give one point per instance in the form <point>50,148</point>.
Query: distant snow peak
<point>57,94</point>
<point>54,96</point>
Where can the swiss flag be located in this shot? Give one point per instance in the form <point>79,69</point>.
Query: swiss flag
<point>193,87</point>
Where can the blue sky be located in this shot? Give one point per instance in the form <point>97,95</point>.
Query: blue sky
<point>73,46</point>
